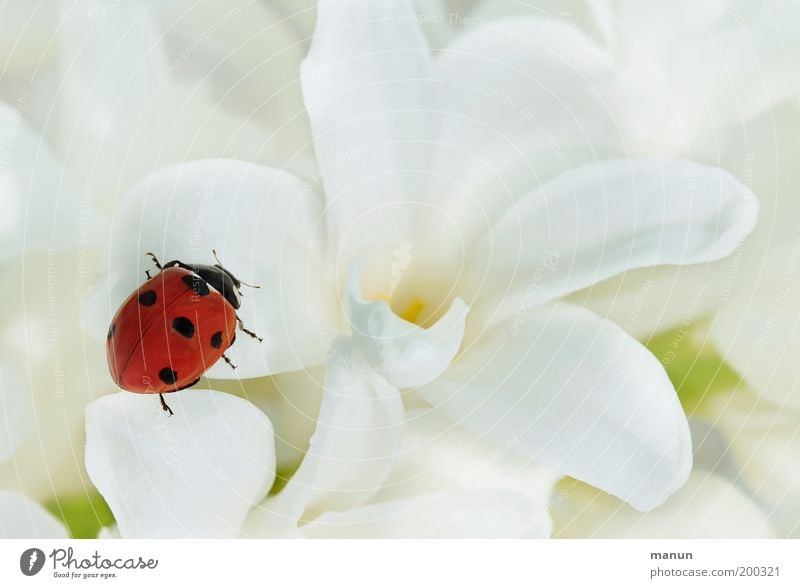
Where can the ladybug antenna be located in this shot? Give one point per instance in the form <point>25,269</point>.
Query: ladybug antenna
<point>248,285</point>
<point>214,251</point>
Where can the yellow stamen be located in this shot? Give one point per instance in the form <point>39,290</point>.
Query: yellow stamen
<point>413,310</point>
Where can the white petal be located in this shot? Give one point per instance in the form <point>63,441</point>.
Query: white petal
<point>522,100</point>
<point>263,223</point>
<point>365,89</point>
<point>449,483</point>
<point>577,393</point>
<point>599,220</point>
<point>291,400</point>
<point>440,458</point>
<point>22,518</point>
<point>16,411</point>
<point>195,474</point>
<point>353,450</point>
<point>707,507</point>
<point>759,330</point>
<point>405,354</point>
<point>651,300</point>
<point>765,444</point>
<point>473,513</point>
<point>41,208</point>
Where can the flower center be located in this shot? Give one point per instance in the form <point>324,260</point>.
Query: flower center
<point>409,310</point>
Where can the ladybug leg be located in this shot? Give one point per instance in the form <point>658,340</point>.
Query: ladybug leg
<point>228,361</point>
<point>147,273</point>
<point>155,259</point>
<point>251,333</point>
<point>164,405</point>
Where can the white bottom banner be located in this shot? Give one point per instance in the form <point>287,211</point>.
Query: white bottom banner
<point>411,563</point>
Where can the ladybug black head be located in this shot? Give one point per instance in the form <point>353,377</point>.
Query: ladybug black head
<point>222,280</point>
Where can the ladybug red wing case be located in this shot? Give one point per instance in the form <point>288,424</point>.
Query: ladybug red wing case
<point>168,333</point>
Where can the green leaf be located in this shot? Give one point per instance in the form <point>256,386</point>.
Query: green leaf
<point>84,515</point>
<point>694,367</point>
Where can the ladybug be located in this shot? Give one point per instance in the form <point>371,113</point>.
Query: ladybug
<point>174,327</point>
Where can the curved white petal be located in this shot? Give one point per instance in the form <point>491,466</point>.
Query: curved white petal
<point>365,84</point>
<point>405,354</point>
<point>601,219</point>
<point>707,507</point>
<point>483,513</point>
<point>522,100</point>
<point>651,300</point>
<point>449,483</point>
<point>758,331</point>
<point>41,208</point>
<point>439,458</point>
<point>577,393</point>
<point>22,518</point>
<point>263,224</point>
<point>291,400</point>
<point>16,411</point>
<point>353,450</point>
<point>195,474</point>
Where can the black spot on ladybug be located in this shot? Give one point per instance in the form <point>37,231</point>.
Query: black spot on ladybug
<point>216,340</point>
<point>147,298</point>
<point>183,326</point>
<point>111,330</point>
<point>168,375</point>
<point>197,284</point>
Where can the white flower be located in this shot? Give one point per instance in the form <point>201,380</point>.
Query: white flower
<point>713,84</point>
<point>441,481</point>
<point>717,81</point>
<point>463,199</point>
<point>91,100</point>
<point>194,476</point>
<point>200,474</point>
